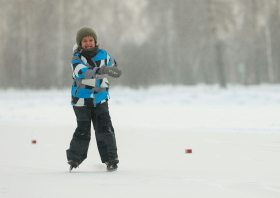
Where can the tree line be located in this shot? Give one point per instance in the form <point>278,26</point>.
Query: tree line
<point>154,42</point>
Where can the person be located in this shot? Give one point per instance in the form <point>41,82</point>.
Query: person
<point>90,65</point>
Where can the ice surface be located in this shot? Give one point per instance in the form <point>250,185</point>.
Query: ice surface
<point>234,135</point>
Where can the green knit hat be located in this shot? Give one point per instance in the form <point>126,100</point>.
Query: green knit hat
<point>85,31</point>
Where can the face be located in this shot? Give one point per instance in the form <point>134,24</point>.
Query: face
<point>88,42</point>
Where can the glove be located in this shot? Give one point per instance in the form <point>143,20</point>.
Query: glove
<point>111,71</point>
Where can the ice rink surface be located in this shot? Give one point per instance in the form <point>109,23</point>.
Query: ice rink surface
<point>234,135</point>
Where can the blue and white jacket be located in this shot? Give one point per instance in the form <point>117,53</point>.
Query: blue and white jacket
<point>89,88</point>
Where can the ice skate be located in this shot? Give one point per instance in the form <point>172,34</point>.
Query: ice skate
<point>73,164</point>
<point>112,164</point>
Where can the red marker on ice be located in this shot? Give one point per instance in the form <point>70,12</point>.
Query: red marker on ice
<point>188,151</point>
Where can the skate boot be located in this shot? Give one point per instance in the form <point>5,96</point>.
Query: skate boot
<point>73,164</point>
<point>112,164</point>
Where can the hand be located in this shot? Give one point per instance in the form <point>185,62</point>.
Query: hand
<point>111,71</point>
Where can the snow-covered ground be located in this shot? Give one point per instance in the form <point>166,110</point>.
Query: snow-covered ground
<point>234,135</point>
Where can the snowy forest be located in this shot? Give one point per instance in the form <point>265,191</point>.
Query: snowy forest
<point>179,42</point>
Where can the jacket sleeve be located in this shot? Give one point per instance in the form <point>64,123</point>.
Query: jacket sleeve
<point>111,61</point>
<point>80,68</point>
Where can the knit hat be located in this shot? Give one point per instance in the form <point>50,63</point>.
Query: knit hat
<point>85,31</point>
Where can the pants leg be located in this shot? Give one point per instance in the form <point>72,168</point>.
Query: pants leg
<point>82,135</point>
<point>104,132</point>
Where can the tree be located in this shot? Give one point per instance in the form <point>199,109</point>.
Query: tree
<point>220,21</point>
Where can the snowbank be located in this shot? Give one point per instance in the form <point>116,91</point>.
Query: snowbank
<point>252,108</point>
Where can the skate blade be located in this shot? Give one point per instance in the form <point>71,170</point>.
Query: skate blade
<point>112,168</point>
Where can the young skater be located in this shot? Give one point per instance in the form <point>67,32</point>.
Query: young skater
<point>90,65</point>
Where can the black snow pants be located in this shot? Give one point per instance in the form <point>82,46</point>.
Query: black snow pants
<point>104,133</point>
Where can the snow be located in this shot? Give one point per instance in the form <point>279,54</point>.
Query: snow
<point>234,134</point>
